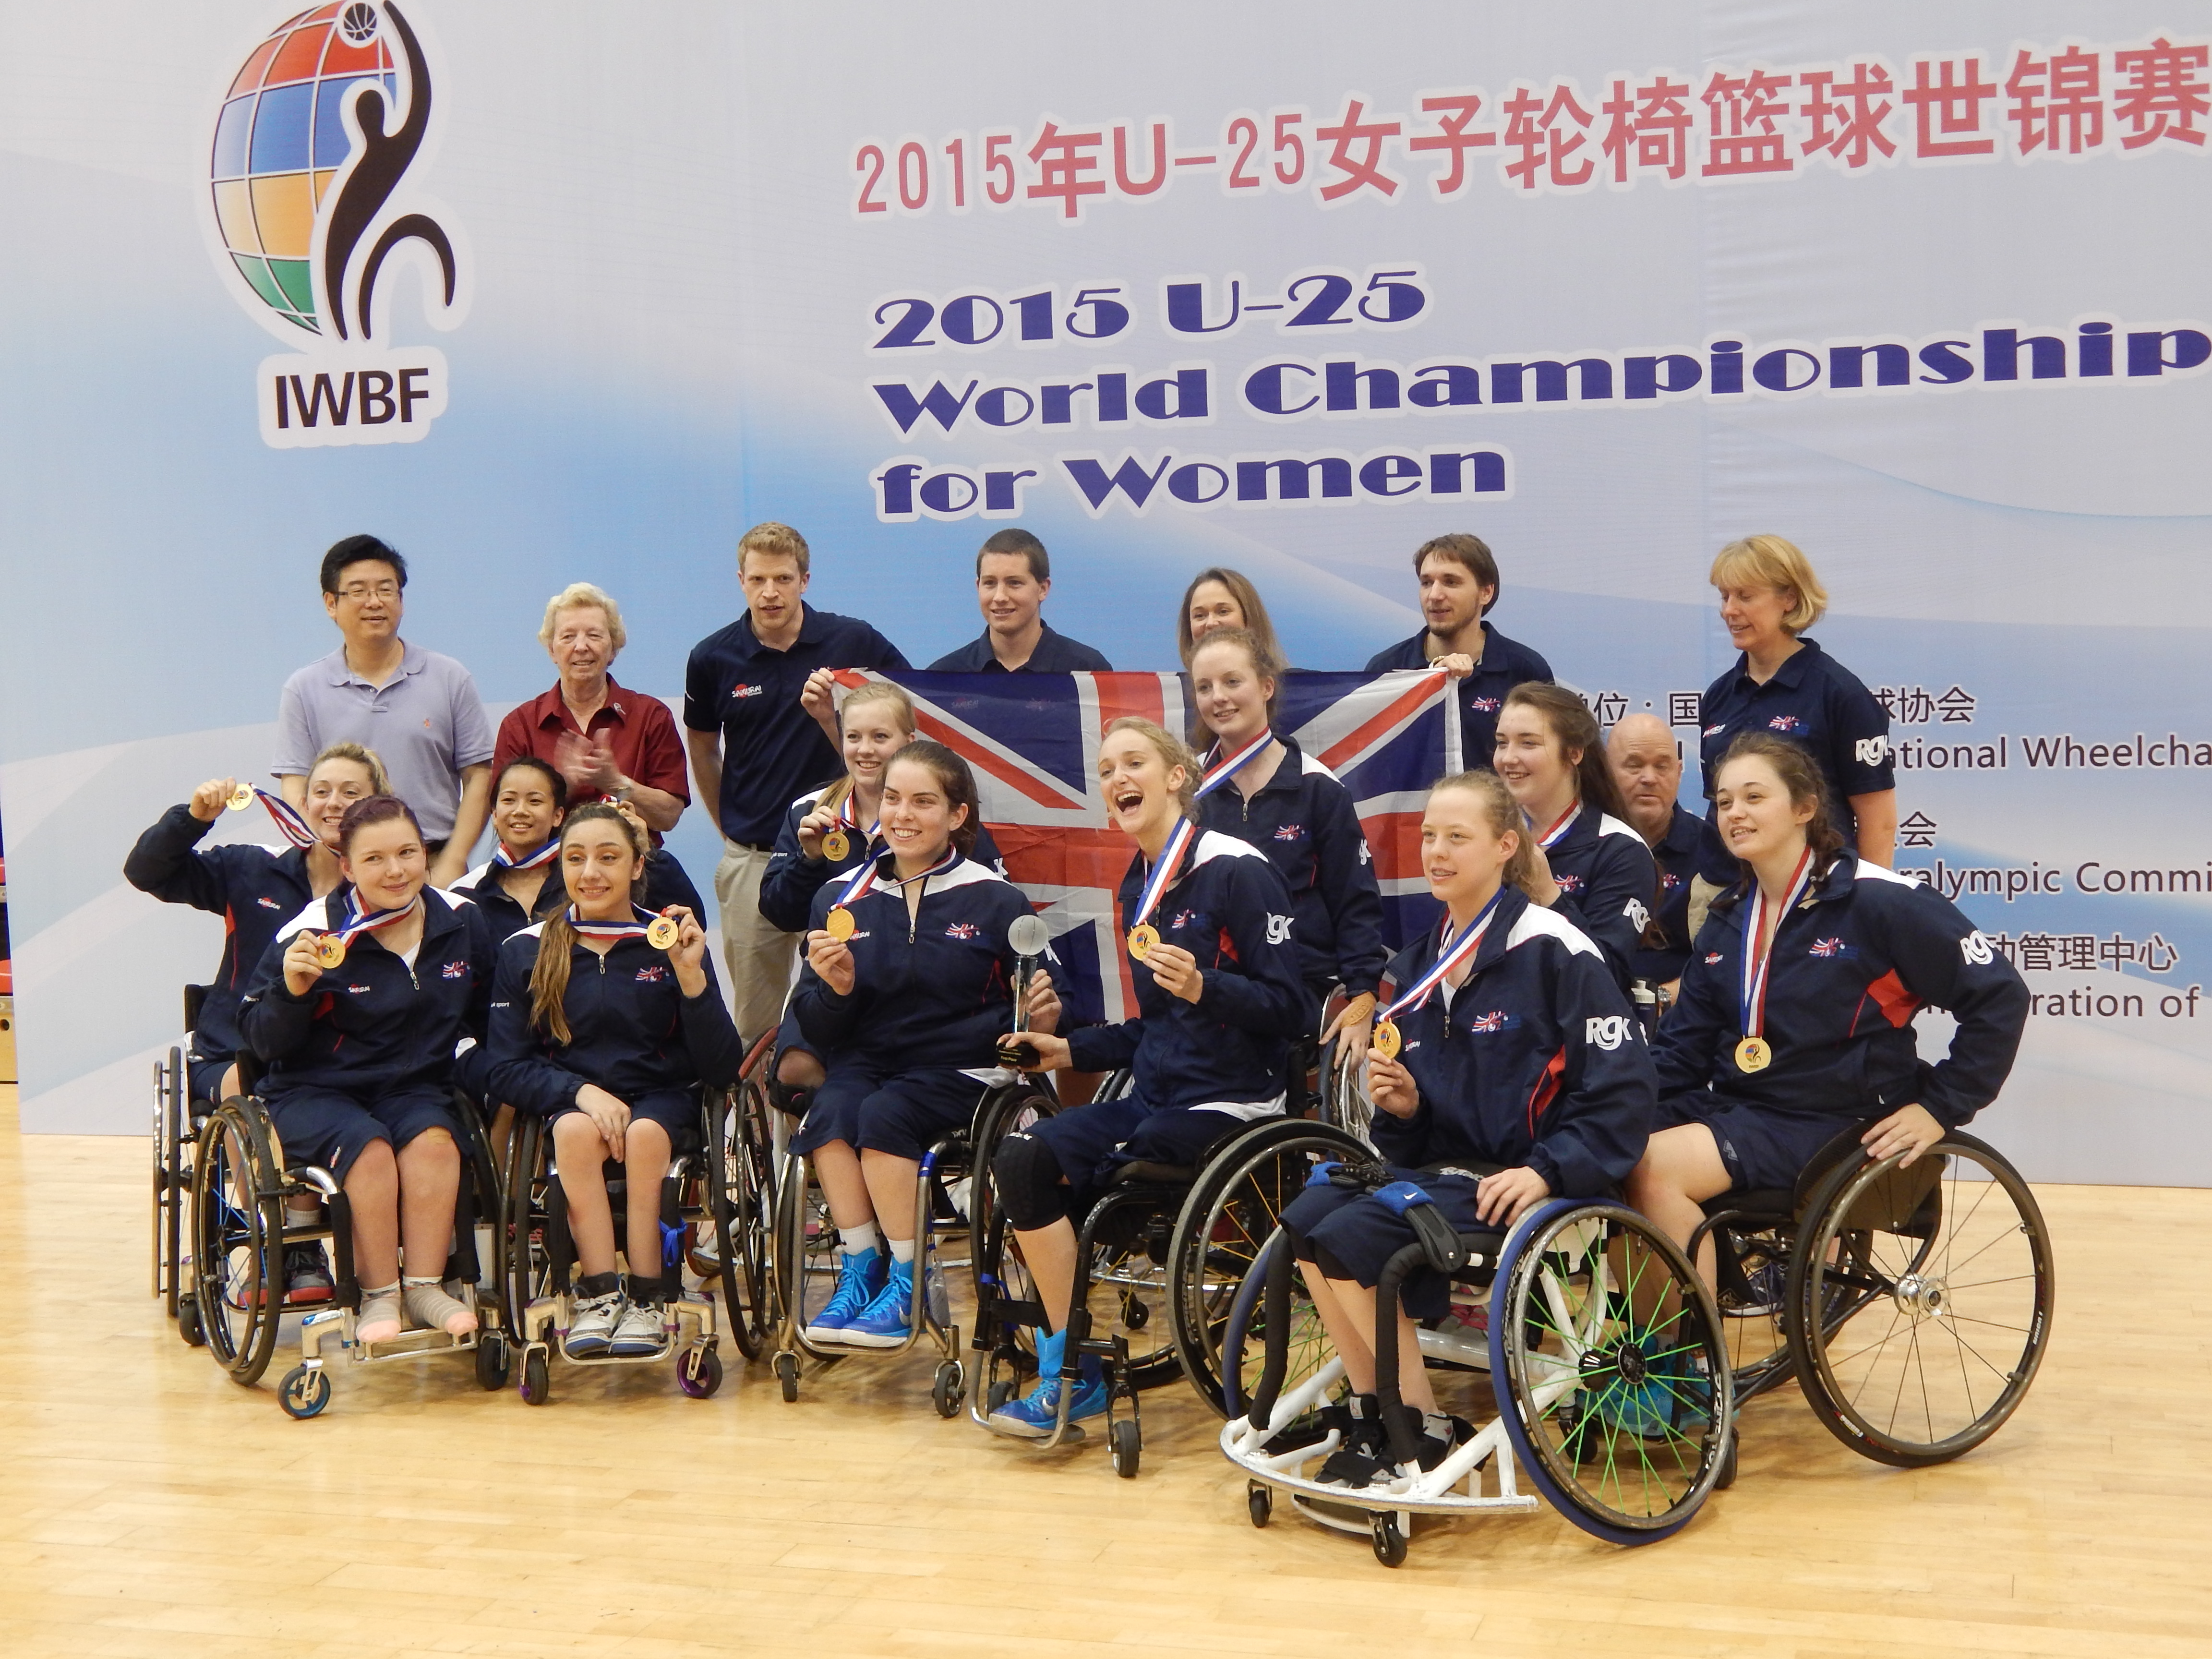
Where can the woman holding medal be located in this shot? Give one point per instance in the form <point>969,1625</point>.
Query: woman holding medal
<point>1588,864</point>
<point>1795,1017</point>
<point>1261,788</point>
<point>355,1009</point>
<point>607,1022</point>
<point>1220,997</point>
<point>1506,1044</point>
<point>905,994</point>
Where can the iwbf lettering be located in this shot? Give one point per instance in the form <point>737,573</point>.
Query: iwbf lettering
<point>353,397</point>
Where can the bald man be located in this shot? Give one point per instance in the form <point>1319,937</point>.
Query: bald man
<point>1648,764</point>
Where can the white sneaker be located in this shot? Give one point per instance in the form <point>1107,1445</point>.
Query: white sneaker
<point>592,1325</point>
<point>638,1332</point>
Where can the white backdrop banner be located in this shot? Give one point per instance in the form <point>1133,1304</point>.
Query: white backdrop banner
<point>549,292</point>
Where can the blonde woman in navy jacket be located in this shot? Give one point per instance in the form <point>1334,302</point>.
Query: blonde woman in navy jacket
<point>611,1039</point>
<point>907,989</point>
<point>1851,953</point>
<point>359,1058</point>
<point>1524,1058</point>
<point>1591,866</point>
<point>1220,998</point>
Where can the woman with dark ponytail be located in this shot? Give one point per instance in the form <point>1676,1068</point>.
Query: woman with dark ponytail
<point>610,1038</point>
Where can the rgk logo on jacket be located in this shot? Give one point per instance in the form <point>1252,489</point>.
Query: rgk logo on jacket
<point>1609,1032</point>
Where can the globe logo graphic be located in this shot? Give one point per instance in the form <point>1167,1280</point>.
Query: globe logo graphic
<point>281,140</point>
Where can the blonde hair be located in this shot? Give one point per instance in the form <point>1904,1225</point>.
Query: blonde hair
<point>582,596</point>
<point>769,536</point>
<point>1172,751</point>
<point>874,691</point>
<point>1502,813</point>
<point>1773,562</point>
<point>361,754</point>
<point>556,940</point>
<point>1247,600</point>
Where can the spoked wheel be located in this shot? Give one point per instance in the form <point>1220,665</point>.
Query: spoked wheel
<point>238,1230</point>
<point>1610,1371</point>
<point>1936,1309</point>
<point>1000,1115</point>
<point>170,1116</point>
<point>1751,1313</point>
<point>740,1181</point>
<point>803,1275</point>
<point>521,1266</point>
<point>1232,1209</point>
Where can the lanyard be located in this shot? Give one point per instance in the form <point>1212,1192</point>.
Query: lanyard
<point>1143,936</point>
<point>835,843</point>
<point>294,827</point>
<point>331,952</point>
<point>1218,775</point>
<point>503,859</point>
<point>658,931</point>
<point>1453,951</point>
<point>1754,1052</point>
<point>868,876</point>
<point>1565,822</point>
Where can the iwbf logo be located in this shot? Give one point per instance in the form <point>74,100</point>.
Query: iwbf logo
<point>313,215</point>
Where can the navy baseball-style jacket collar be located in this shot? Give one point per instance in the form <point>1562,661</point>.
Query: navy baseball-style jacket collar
<point>441,913</point>
<point>1833,883</point>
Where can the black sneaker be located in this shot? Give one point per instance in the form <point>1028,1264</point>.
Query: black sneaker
<point>1363,1455</point>
<point>1435,1448</point>
<point>307,1278</point>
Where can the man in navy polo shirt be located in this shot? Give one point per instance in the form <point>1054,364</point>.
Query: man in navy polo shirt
<point>1647,763</point>
<point>418,710</point>
<point>1013,573</point>
<point>761,723</point>
<point>1458,584</point>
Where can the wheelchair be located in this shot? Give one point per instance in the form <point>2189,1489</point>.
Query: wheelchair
<point>1176,1239</point>
<point>177,1118</point>
<point>240,1227</point>
<point>1606,1371</point>
<point>536,1259</point>
<point>1912,1305</point>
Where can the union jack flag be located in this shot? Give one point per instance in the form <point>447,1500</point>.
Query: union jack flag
<point>1032,741</point>
<point>1827,947</point>
<point>1492,1021</point>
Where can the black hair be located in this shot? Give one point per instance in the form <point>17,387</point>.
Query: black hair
<point>360,550</point>
<point>1021,542</point>
<point>556,785</point>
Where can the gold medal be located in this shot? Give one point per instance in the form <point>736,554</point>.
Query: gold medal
<point>840,924</point>
<point>835,845</point>
<point>240,798</point>
<point>1142,937</point>
<point>1386,1041</point>
<point>331,951</point>
<point>662,932</point>
<point>1753,1055</point>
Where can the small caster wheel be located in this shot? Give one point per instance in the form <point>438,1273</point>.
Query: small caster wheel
<point>537,1378</point>
<point>1259,1502</point>
<point>999,1392</point>
<point>188,1323</point>
<point>786,1373</point>
<point>1726,1478</point>
<point>948,1389</point>
<point>699,1373</point>
<point>305,1392</point>
<point>1125,1442</point>
<point>493,1362</point>
<point>1389,1540</point>
<point>1135,1314</point>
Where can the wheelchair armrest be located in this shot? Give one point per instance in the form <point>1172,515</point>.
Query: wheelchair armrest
<point>195,997</point>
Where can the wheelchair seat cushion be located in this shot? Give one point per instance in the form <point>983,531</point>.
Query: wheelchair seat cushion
<point>1140,1170</point>
<point>1761,1149</point>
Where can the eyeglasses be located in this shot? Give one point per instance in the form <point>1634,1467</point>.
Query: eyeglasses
<point>361,592</point>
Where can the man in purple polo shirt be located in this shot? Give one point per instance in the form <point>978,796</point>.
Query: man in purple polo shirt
<point>418,710</point>
<point>761,727</point>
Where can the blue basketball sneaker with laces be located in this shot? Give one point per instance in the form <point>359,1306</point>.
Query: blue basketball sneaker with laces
<point>885,1322</point>
<point>1033,1415</point>
<point>860,1278</point>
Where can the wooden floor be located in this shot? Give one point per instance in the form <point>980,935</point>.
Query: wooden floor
<point>149,1507</point>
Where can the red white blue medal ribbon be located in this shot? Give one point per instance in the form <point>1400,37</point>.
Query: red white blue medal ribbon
<point>613,929</point>
<point>503,859</point>
<point>1218,775</point>
<point>1164,872</point>
<point>1456,951</point>
<point>288,821</point>
<point>1758,956</point>
<point>1564,822</point>
<point>867,876</point>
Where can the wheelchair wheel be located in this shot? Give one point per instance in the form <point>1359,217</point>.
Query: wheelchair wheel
<point>1306,1347</point>
<point>171,1180</point>
<point>1232,1209</point>
<point>238,1230</point>
<point>1936,1312</point>
<point>1610,1371</point>
<point>740,1189</point>
<point>521,1264</point>
<point>1002,1112</point>
<point>803,1254</point>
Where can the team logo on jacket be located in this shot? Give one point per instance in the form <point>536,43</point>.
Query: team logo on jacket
<point>1486,705</point>
<point>1669,881</point>
<point>1832,948</point>
<point>309,210</point>
<point>1977,949</point>
<point>747,690</point>
<point>1714,731</point>
<point>1279,930</point>
<point>1711,956</point>
<point>654,975</point>
<point>1289,832</point>
<point>1638,917</point>
<point>1609,1032</point>
<point>964,930</point>
<point>1185,919</point>
<point>268,903</point>
<point>1786,723</point>
<point>1569,882</point>
<point>455,969</point>
<point>357,990</point>
<point>1495,1020</point>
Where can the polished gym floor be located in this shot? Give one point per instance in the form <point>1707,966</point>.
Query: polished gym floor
<point>148,1506</point>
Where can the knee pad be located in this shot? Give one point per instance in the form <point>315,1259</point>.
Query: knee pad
<point>1028,1177</point>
